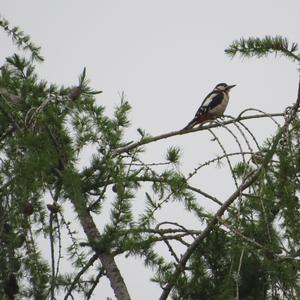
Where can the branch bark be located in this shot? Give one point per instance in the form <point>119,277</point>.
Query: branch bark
<point>149,140</point>
<point>76,195</point>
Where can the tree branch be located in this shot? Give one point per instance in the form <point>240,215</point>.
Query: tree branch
<point>214,199</point>
<point>185,257</point>
<point>72,184</point>
<point>149,140</point>
<point>77,277</point>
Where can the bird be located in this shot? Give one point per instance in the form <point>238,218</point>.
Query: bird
<point>213,105</point>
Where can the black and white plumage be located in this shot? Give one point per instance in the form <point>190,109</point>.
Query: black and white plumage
<point>213,106</point>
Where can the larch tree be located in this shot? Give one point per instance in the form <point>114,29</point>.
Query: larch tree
<point>247,249</point>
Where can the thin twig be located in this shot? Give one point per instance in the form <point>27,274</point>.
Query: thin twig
<point>52,286</point>
<point>226,156</point>
<point>238,275</point>
<point>82,271</point>
<point>99,275</point>
<point>216,159</point>
<point>214,199</point>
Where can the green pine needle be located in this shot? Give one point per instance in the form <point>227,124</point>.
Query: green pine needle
<point>263,47</point>
<point>22,40</point>
<point>173,155</point>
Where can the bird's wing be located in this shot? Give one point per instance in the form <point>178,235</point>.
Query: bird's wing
<point>211,101</point>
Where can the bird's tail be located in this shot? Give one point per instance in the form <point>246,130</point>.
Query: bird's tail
<point>197,120</point>
<point>191,124</point>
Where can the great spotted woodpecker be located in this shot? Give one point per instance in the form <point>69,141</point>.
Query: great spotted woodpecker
<point>213,106</point>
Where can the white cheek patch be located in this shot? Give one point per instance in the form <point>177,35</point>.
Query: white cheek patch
<point>221,88</point>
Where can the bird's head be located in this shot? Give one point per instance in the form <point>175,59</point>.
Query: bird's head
<point>224,87</point>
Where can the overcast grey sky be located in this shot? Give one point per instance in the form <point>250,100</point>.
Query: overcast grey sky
<point>166,56</point>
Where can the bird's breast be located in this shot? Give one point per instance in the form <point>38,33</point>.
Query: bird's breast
<point>219,109</point>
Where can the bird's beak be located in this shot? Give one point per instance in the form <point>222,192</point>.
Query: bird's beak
<point>229,87</point>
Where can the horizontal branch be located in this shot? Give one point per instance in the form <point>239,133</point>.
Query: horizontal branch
<point>149,140</point>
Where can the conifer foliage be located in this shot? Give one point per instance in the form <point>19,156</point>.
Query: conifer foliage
<point>247,249</point>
